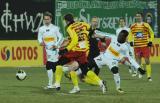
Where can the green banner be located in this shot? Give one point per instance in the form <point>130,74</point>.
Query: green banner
<point>108,12</point>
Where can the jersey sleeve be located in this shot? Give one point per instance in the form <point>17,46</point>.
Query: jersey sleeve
<point>104,34</point>
<point>151,33</point>
<point>73,37</point>
<point>40,35</point>
<point>59,37</point>
<point>130,36</point>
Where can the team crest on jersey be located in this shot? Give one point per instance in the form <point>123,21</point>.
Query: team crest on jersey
<point>139,35</point>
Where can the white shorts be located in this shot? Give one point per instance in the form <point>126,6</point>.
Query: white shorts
<point>111,61</point>
<point>105,59</point>
<point>52,55</point>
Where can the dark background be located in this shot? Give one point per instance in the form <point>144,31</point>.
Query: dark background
<point>158,17</point>
<point>17,7</point>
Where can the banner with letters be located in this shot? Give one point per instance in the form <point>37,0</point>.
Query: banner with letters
<point>107,11</point>
<point>20,53</point>
<point>155,51</point>
<point>20,19</point>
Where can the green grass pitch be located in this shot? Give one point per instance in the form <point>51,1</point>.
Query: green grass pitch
<point>31,91</point>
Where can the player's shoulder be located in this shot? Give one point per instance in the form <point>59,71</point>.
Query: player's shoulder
<point>42,27</point>
<point>133,25</point>
<point>54,26</point>
<point>146,24</point>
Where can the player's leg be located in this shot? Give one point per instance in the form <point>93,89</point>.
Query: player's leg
<point>92,78</point>
<point>71,69</point>
<point>138,57</point>
<point>116,75</point>
<point>113,66</point>
<point>146,56</point>
<point>52,58</point>
<point>59,71</point>
<point>93,65</point>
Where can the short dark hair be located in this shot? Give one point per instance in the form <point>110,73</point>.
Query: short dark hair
<point>140,13</point>
<point>69,17</point>
<point>125,33</point>
<point>47,13</point>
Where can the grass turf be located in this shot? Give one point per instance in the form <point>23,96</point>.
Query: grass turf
<point>31,91</point>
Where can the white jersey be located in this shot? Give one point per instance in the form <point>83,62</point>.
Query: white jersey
<point>50,36</point>
<point>131,50</point>
<point>114,53</point>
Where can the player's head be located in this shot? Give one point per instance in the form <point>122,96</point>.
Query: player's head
<point>149,19</point>
<point>94,22</point>
<point>122,37</point>
<point>139,17</point>
<point>47,18</point>
<point>69,19</point>
<point>122,22</point>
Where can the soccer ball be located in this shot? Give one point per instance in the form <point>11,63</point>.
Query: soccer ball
<point>21,75</point>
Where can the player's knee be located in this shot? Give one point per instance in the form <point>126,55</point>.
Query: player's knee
<point>48,65</point>
<point>84,69</point>
<point>114,70</point>
<point>147,61</point>
<point>51,65</point>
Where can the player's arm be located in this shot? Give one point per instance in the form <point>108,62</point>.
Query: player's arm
<point>151,33</point>
<point>100,34</point>
<point>60,38</point>
<point>74,39</point>
<point>86,25</point>
<point>40,37</point>
<point>65,42</point>
<point>130,38</point>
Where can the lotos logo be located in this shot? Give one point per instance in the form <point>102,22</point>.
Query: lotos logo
<point>5,53</point>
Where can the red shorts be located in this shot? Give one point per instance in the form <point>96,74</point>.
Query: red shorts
<point>78,56</point>
<point>142,52</point>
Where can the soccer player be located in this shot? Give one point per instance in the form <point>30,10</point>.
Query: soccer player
<point>122,26</point>
<point>50,37</point>
<point>141,37</point>
<point>76,50</point>
<point>94,50</point>
<point>113,55</point>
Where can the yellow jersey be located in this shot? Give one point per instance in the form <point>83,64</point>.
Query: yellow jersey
<point>140,34</point>
<point>78,33</point>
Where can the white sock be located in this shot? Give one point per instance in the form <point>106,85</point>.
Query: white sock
<point>50,76</point>
<point>117,80</point>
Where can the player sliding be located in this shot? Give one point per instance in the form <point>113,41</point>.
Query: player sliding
<point>76,51</point>
<point>113,55</point>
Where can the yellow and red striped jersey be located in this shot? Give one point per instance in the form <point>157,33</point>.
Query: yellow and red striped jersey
<point>78,33</point>
<point>140,34</point>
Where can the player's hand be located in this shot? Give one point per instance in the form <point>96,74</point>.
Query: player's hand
<point>42,44</point>
<point>54,47</point>
<point>124,59</point>
<point>131,44</point>
<point>150,44</point>
<point>63,51</point>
